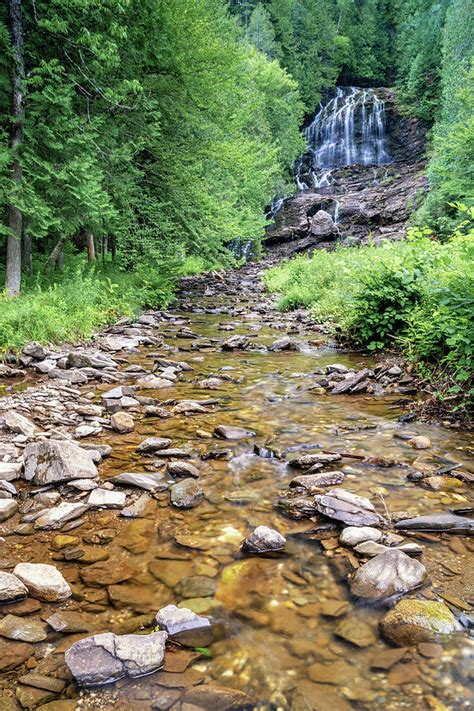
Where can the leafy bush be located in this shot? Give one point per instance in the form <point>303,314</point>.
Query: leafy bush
<point>416,296</point>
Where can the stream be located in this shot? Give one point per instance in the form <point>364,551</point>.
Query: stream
<point>287,630</point>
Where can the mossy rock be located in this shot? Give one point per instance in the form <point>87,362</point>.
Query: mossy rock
<point>413,621</point>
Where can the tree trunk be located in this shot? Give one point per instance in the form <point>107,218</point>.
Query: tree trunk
<point>55,256</point>
<point>15,221</point>
<point>113,247</point>
<point>27,252</point>
<point>105,247</point>
<point>90,246</point>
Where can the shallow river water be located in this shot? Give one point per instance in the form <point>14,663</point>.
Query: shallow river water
<point>282,621</point>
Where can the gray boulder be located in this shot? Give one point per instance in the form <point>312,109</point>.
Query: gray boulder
<point>185,626</point>
<point>344,506</point>
<point>391,573</point>
<point>44,582</point>
<point>322,224</point>
<point>56,461</point>
<point>264,540</point>
<point>11,588</point>
<point>104,658</point>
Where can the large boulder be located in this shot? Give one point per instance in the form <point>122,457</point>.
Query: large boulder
<point>322,224</point>
<point>104,658</point>
<point>413,621</point>
<point>391,573</point>
<point>56,461</point>
<point>44,582</point>
<point>19,424</point>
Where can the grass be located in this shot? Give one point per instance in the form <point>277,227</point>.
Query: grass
<point>415,296</point>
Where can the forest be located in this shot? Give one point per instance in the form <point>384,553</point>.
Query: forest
<point>143,141</point>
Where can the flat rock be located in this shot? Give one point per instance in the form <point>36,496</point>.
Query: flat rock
<point>264,540</point>
<point>215,697</point>
<point>391,573</point>
<point>232,433</point>
<point>413,621</point>
<point>182,469</point>
<point>22,629</point>
<point>19,424</point>
<point>305,461</point>
<point>356,632</point>
<point>104,498</point>
<point>12,654</point>
<point>316,481</point>
<point>10,470</point>
<point>8,508</point>
<point>108,572</point>
<point>344,506</point>
<point>153,444</point>
<point>442,521</point>
<point>284,344</point>
<point>70,621</point>
<point>44,582</point>
<point>104,658</point>
<point>185,626</point>
<point>57,461</point>
<point>57,516</point>
<point>148,482</point>
<point>186,494</point>
<point>353,535</point>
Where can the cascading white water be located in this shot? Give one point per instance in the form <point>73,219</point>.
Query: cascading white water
<point>348,129</point>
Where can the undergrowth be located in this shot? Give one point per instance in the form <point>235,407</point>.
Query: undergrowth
<point>414,296</point>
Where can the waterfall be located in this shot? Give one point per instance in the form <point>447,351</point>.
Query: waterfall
<point>348,129</point>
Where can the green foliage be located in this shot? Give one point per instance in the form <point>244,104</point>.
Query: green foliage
<point>416,296</point>
<point>260,32</point>
<point>73,305</point>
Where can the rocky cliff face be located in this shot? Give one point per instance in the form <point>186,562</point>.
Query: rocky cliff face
<point>360,201</point>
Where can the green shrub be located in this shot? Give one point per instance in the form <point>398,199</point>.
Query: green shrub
<point>416,296</point>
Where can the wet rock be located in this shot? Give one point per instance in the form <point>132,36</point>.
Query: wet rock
<point>337,368</point>
<point>322,224</point>
<point>44,582</point>
<point>11,588</point>
<point>419,442</point>
<point>337,673</point>
<point>371,549</point>
<point>413,621</point>
<point>387,658</point>
<point>122,422</point>
<point>391,573</point>
<point>211,383</point>
<point>109,572</point>
<point>264,540</point>
<point>320,459</point>
<point>236,343</point>
<point>153,444</point>
<point>353,535</point>
<point>186,494</point>
<point>104,658</point>
<point>147,481</point>
<point>22,629</point>
<point>57,461</point>
<point>437,522</point>
<point>19,424</point>
<point>40,681</point>
<point>351,383</point>
<point>170,453</point>
<point>185,626</point>
<point>356,632</point>
<point>215,697</point>
<point>103,498</point>
<point>8,508</point>
<point>151,382</point>
<point>57,516</point>
<point>196,586</point>
<point>137,536</point>
<point>318,697</point>
<point>232,433</point>
<point>284,344</point>
<point>316,481</point>
<point>349,508</point>
<point>186,469</point>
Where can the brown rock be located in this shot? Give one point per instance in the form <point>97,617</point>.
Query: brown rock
<point>386,658</point>
<point>331,673</point>
<point>107,572</point>
<point>122,422</point>
<point>12,654</point>
<point>216,697</point>
<point>356,632</point>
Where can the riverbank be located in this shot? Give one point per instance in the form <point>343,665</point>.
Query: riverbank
<point>203,421</point>
<point>414,297</point>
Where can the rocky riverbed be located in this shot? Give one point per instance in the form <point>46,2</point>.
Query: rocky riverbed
<point>212,507</point>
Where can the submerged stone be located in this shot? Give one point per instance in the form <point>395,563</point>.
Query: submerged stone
<point>186,494</point>
<point>413,621</point>
<point>185,626</point>
<point>264,540</point>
